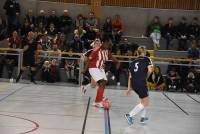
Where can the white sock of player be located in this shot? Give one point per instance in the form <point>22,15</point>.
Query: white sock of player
<point>138,108</point>
<point>143,113</point>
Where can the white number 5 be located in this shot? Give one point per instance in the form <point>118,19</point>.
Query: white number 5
<point>136,67</point>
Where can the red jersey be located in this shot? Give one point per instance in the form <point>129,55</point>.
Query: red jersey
<point>98,57</point>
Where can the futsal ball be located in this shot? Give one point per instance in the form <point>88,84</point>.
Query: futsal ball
<point>106,104</point>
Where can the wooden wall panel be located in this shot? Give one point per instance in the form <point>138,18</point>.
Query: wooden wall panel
<point>164,4</point>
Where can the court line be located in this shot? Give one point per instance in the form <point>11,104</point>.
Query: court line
<point>175,104</point>
<point>12,93</point>
<point>86,114</point>
<point>193,98</point>
<point>36,125</point>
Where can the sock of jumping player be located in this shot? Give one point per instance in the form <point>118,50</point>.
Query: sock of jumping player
<point>143,113</point>
<point>138,108</point>
<point>100,93</point>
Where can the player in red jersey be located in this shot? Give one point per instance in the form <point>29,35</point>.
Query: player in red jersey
<point>96,61</point>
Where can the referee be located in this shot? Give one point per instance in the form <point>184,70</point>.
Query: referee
<point>139,70</point>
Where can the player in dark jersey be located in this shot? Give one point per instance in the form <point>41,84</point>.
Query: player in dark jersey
<point>139,70</point>
<point>29,48</point>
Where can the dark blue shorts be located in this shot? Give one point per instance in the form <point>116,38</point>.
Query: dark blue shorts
<point>141,89</point>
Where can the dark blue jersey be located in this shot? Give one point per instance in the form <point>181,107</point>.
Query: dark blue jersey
<point>139,68</point>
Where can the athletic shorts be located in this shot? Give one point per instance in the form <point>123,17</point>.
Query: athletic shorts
<point>97,74</point>
<point>141,90</point>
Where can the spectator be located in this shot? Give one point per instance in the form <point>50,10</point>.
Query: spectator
<point>194,29</point>
<point>182,31</point>
<point>154,31</point>
<point>41,19</point>
<point>46,72</point>
<point>107,28</point>
<point>92,22</point>
<point>77,44</point>
<point>191,85</point>
<point>12,8</point>
<point>56,53</point>
<point>53,19</point>
<point>31,19</point>
<point>62,43</point>
<point>80,21</point>
<point>40,28</point>
<point>173,80</point>
<point>193,51</point>
<point>124,47</point>
<point>118,29</point>
<point>25,29</point>
<point>11,60</point>
<point>52,31</point>
<point>155,80</point>
<point>3,28</point>
<point>80,32</point>
<point>65,22</point>
<point>169,32</point>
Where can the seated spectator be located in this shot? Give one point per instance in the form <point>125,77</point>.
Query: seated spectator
<point>191,83</point>
<point>25,29</point>
<point>55,71</point>
<point>69,67</point>
<point>155,80</point>
<point>77,44</point>
<point>182,31</point>
<point>3,28</point>
<point>80,21</point>
<point>194,29</point>
<point>92,22</point>
<point>173,80</point>
<point>117,29</point>
<point>65,22</point>
<point>169,31</point>
<point>31,19</point>
<point>62,43</point>
<point>46,72</point>
<point>40,29</point>
<point>11,60</point>
<point>124,47</point>
<point>41,19</point>
<point>193,51</point>
<point>154,31</point>
<point>52,31</point>
<point>55,53</point>
<point>107,28</point>
<point>53,19</point>
<point>80,32</point>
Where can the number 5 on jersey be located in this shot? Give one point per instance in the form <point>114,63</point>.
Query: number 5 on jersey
<point>136,67</point>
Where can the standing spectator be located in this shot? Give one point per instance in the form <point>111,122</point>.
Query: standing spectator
<point>155,80</point>
<point>12,8</point>
<point>11,60</point>
<point>194,29</point>
<point>80,21</point>
<point>3,28</point>
<point>182,31</point>
<point>193,51</point>
<point>154,31</point>
<point>169,32</point>
<point>53,19</point>
<point>41,19</point>
<point>118,29</point>
<point>107,28</point>
<point>31,18</point>
<point>25,29</point>
<point>29,47</point>
<point>65,22</point>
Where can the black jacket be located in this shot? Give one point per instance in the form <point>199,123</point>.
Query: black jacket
<point>11,7</point>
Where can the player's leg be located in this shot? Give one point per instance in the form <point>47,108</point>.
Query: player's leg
<point>33,72</point>
<point>20,74</point>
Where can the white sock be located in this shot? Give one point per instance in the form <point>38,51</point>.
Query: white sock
<point>87,86</point>
<point>136,110</point>
<point>143,113</point>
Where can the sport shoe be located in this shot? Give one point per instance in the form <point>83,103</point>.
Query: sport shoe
<point>129,119</point>
<point>144,120</point>
<point>98,105</point>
